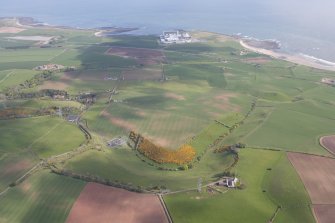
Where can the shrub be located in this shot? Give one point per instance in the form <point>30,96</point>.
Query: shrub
<point>185,154</point>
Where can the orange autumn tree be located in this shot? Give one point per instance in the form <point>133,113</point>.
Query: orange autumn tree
<point>185,154</point>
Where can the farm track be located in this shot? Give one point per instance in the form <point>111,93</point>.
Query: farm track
<point>23,177</point>
<point>7,76</point>
<point>54,57</point>
<point>258,126</point>
<point>166,211</point>
<point>41,137</point>
<point>43,163</point>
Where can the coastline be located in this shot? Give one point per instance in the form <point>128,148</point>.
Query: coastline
<point>302,59</point>
<point>294,58</point>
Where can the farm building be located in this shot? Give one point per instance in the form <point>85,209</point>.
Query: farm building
<point>328,81</point>
<point>116,142</point>
<point>72,118</point>
<point>50,67</point>
<point>178,36</point>
<point>230,182</point>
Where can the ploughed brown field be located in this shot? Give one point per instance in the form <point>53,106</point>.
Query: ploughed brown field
<point>10,30</point>
<point>258,60</point>
<point>318,176</point>
<point>103,204</point>
<point>141,55</point>
<point>142,74</point>
<point>324,213</point>
<point>328,142</point>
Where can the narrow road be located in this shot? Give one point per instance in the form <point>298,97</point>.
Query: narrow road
<point>165,208</point>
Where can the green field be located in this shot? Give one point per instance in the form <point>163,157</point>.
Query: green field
<point>9,78</point>
<point>44,197</point>
<point>207,94</point>
<point>40,135</point>
<point>169,114</point>
<point>264,191</point>
<point>111,165</point>
<point>24,141</point>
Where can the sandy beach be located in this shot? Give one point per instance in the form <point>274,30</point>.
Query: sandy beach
<point>298,58</point>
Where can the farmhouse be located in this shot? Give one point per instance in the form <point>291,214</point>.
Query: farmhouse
<point>328,81</point>
<point>72,118</point>
<point>178,36</point>
<point>111,78</point>
<point>230,182</point>
<point>116,142</point>
<point>50,67</point>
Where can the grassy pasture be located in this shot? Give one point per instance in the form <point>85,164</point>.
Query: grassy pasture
<point>169,113</point>
<point>6,43</point>
<point>30,55</point>
<point>68,58</point>
<point>94,57</point>
<point>290,194</point>
<point>36,103</point>
<point>25,65</point>
<point>133,41</point>
<point>257,206</point>
<point>44,197</point>
<point>82,81</point>
<point>124,166</point>
<point>212,74</point>
<point>10,78</point>
<point>40,135</point>
<point>294,128</point>
<point>14,165</point>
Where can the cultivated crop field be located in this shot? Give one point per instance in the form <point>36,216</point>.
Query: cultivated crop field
<point>23,142</point>
<point>99,203</point>
<point>318,179</point>
<point>328,142</point>
<point>313,171</point>
<point>141,55</point>
<point>44,197</point>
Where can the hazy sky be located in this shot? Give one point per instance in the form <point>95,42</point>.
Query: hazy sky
<point>315,9</point>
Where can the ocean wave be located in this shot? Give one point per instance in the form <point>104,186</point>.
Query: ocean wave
<point>322,61</point>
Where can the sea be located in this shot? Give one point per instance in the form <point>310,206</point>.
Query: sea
<point>302,27</point>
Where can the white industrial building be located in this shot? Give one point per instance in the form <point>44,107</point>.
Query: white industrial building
<point>178,36</point>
